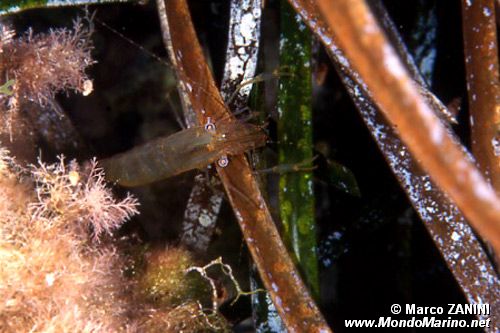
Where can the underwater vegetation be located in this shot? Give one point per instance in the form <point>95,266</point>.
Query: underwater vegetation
<point>51,278</point>
<point>39,66</point>
<point>246,165</point>
<point>61,266</point>
<point>61,272</point>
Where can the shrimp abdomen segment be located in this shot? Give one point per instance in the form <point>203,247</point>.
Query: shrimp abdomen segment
<point>161,158</point>
<point>192,148</point>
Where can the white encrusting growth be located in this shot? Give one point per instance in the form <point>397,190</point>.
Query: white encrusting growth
<point>248,24</point>
<point>199,219</point>
<point>436,212</point>
<point>447,226</point>
<point>243,41</point>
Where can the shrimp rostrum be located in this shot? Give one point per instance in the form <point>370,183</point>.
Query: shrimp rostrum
<point>192,148</point>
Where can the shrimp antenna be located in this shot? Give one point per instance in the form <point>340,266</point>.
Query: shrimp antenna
<point>153,55</point>
<point>92,18</point>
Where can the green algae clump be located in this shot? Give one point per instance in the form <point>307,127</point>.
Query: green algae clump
<point>165,282</point>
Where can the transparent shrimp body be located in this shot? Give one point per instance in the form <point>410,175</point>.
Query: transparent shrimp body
<point>189,149</point>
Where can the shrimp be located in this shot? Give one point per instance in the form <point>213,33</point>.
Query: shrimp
<point>192,148</point>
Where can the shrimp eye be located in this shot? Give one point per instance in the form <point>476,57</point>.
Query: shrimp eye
<point>209,126</point>
<point>223,161</point>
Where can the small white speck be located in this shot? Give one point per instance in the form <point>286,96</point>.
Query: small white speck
<point>205,220</point>
<point>49,279</point>
<point>496,146</point>
<point>88,87</point>
<point>370,28</point>
<point>392,63</point>
<point>437,134</point>
<point>455,236</point>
